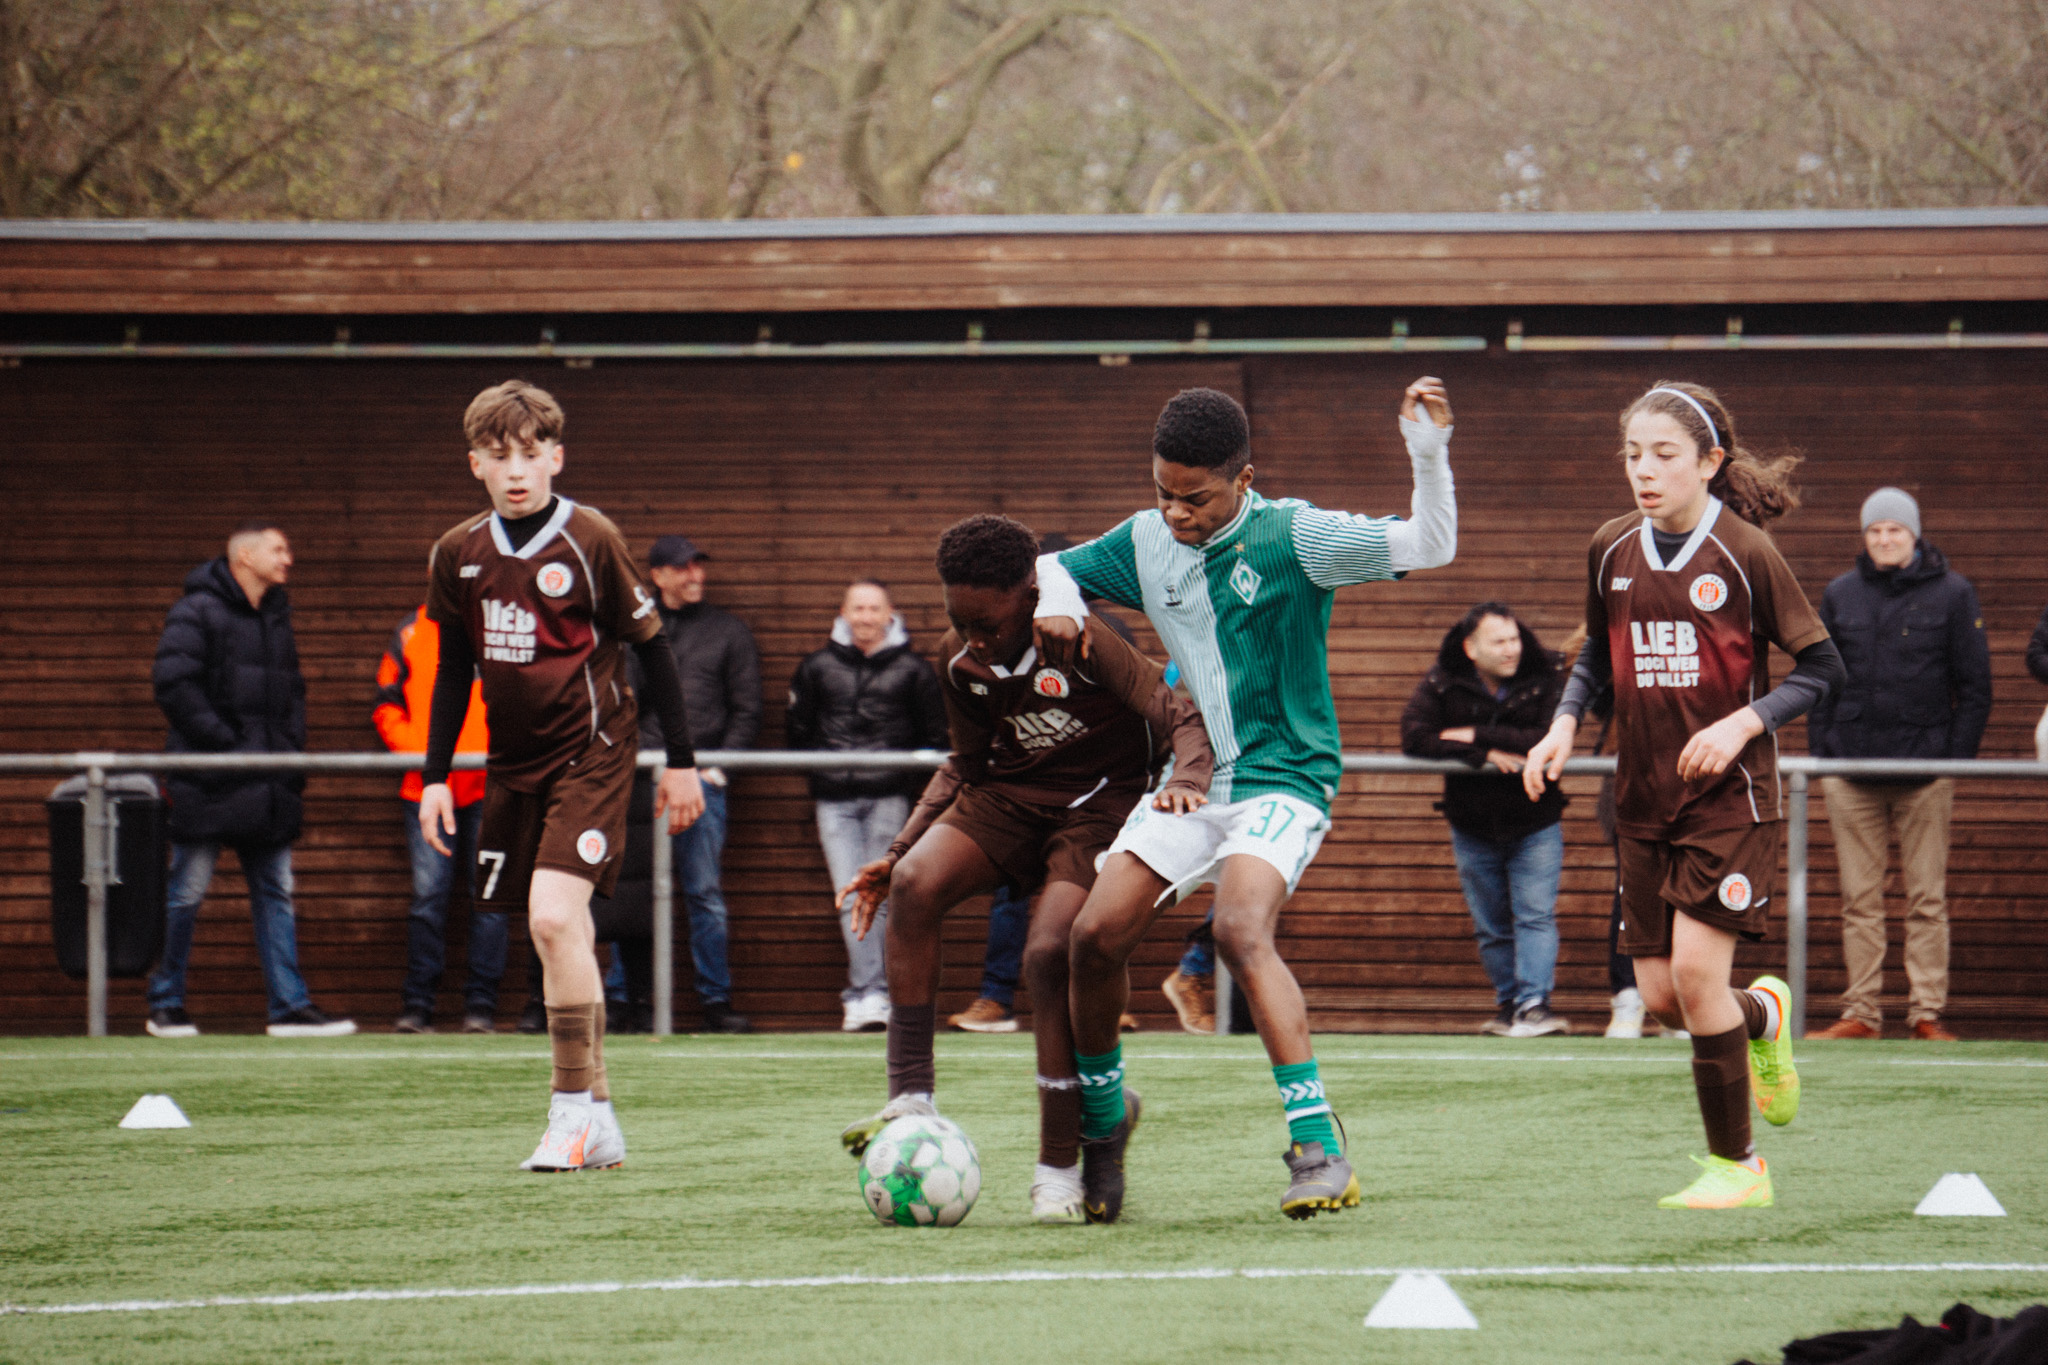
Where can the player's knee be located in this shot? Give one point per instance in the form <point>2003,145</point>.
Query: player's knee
<point>1045,963</point>
<point>1239,940</point>
<point>550,924</point>
<point>1094,948</point>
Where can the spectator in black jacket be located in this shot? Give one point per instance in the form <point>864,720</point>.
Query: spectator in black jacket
<point>1919,686</point>
<point>227,679</point>
<point>1487,702</point>
<point>721,671</point>
<point>2037,664</point>
<point>865,690</point>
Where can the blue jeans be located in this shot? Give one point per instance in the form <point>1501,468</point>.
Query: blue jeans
<point>1511,886</point>
<point>1198,959</point>
<point>433,877</point>
<point>698,851</point>
<point>1009,920</point>
<point>268,870</point>
<point>855,831</point>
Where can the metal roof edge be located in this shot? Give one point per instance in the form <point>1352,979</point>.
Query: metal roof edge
<point>1022,225</point>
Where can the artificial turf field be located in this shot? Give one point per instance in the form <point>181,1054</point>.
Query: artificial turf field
<point>386,1164</point>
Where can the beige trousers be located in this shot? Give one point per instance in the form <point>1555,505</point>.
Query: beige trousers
<point>1863,816</point>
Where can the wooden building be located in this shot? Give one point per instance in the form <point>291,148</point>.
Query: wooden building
<point>815,401</point>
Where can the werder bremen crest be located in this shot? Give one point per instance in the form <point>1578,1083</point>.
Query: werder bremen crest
<point>1246,581</point>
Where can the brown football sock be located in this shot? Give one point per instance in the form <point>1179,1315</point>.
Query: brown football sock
<point>600,1088</point>
<point>1059,1121</point>
<point>569,1038</point>
<point>1720,1072</point>
<point>911,1068</point>
<point>1753,1017</point>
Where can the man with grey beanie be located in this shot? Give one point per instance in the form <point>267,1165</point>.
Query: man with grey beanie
<point>1912,639</point>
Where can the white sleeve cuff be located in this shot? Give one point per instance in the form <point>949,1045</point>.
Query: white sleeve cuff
<point>1426,440</point>
<point>1058,593</point>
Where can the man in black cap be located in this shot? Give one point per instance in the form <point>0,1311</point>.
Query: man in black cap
<point>721,671</point>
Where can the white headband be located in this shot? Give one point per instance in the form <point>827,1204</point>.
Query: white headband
<point>1697,407</point>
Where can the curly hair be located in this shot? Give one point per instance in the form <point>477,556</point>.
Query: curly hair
<point>1757,488</point>
<point>1204,429</point>
<point>987,551</point>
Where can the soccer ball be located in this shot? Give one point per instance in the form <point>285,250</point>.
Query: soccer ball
<point>920,1171</point>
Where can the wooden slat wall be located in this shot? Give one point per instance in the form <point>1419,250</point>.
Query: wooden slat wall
<point>1387,266</point>
<point>799,477</point>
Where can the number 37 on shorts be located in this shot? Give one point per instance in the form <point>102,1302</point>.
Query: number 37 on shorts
<point>1280,830</point>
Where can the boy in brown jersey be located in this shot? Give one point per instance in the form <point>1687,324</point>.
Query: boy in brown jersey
<point>1682,605</point>
<point>538,598</point>
<point>1046,765</point>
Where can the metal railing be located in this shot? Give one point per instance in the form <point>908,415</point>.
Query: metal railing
<point>1798,772</point>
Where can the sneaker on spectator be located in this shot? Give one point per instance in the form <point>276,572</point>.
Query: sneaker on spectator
<point>1931,1031</point>
<point>1627,1019</point>
<point>985,1016</point>
<point>308,1021</point>
<point>721,1017</point>
<point>533,1017</point>
<point>476,1021</point>
<point>412,1021</point>
<point>868,1014</point>
<point>1127,1023</point>
<point>1192,999</point>
<point>1502,1021</point>
<point>1845,1028</point>
<point>1535,1020</point>
<point>171,1023</point>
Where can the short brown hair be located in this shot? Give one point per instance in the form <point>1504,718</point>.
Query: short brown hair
<point>512,411</point>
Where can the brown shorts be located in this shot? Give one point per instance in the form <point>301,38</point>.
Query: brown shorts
<point>1723,878</point>
<point>1035,844</point>
<point>575,823</point>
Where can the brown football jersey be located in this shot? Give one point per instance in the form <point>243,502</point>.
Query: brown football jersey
<point>547,622</point>
<point>1689,640</point>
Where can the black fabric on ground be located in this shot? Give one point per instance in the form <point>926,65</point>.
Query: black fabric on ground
<point>1963,1337</point>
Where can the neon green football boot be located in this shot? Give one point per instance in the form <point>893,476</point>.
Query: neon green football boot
<point>1723,1184</point>
<point>1773,1080</point>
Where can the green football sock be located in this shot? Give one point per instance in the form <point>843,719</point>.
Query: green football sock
<point>1308,1111</point>
<point>1102,1092</point>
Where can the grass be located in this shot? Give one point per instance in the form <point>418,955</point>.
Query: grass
<point>387,1163</point>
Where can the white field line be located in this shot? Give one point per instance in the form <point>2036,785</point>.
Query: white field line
<point>1004,1277</point>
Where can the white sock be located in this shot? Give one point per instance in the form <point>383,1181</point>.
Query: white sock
<point>1066,1177</point>
<point>573,1096</point>
<point>1771,1015</point>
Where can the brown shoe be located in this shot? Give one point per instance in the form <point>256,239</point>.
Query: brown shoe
<point>1127,1023</point>
<point>1845,1028</point>
<point>984,1016</point>
<point>1191,999</point>
<point>1931,1031</point>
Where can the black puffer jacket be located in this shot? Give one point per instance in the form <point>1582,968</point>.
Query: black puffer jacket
<point>1490,804</point>
<point>227,679</point>
<point>1912,640</point>
<point>841,698</point>
<point>2037,650</point>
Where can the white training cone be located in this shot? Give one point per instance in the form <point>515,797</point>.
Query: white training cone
<point>1420,1301</point>
<point>1960,1196</point>
<point>156,1111</point>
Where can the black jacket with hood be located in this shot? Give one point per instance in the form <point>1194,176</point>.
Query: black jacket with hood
<point>1490,804</point>
<point>227,679</point>
<point>841,698</point>
<point>1912,641</point>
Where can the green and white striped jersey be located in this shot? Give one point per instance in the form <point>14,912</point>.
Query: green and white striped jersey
<point>1246,614</point>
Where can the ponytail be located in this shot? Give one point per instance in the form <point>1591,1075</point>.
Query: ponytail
<point>1757,488</point>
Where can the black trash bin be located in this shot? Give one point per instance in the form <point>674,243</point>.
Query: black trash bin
<point>137,880</point>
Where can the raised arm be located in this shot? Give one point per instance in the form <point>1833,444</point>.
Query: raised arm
<point>1340,548</point>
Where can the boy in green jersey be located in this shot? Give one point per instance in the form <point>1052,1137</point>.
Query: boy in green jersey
<point>1239,588</point>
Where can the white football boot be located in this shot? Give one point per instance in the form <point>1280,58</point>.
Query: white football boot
<point>578,1138</point>
<point>1057,1197</point>
<point>857,1136</point>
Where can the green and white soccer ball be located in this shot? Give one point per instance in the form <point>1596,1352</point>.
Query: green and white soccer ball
<point>920,1171</point>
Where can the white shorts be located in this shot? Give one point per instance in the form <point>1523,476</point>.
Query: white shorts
<point>1188,850</point>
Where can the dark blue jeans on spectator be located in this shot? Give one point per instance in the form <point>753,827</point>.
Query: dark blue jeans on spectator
<point>433,878</point>
<point>1009,920</point>
<point>698,853</point>
<point>1511,887</point>
<point>1198,959</point>
<point>268,870</point>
